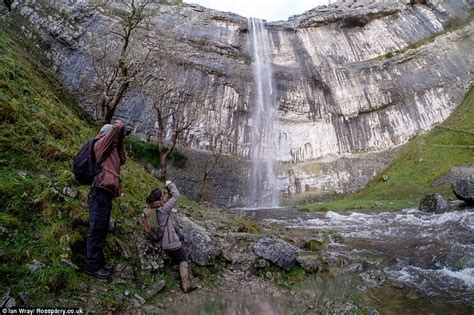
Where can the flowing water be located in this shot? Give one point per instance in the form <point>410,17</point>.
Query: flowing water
<point>263,189</point>
<point>429,257</point>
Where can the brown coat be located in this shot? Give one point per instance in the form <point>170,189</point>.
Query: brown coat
<point>170,240</point>
<point>109,177</point>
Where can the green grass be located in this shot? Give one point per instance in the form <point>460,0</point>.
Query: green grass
<point>148,152</point>
<point>41,130</point>
<point>455,23</point>
<point>421,162</point>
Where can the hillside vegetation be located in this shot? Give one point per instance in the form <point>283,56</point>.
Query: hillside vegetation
<point>41,128</point>
<point>422,161</point>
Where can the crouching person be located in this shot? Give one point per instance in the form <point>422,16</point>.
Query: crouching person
<point>159,225</point>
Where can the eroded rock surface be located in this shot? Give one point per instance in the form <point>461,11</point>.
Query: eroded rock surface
<point>277,251</point>
<point>353,81</point>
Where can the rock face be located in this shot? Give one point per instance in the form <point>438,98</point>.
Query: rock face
<point>464,189</point>
<point>353,80</point>
<point>277,251</point>
<point>434,203</point>
<point>200,246</point>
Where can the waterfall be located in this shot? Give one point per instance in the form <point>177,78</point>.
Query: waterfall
<point>263,184</point>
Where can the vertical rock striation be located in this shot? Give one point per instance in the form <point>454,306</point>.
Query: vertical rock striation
<point>354,81</point>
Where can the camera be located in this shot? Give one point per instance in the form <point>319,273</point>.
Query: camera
<point>127,131</point>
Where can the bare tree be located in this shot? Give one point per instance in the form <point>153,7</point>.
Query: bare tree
<point>177,106</point>
<point>118,66</point>
<point>220,135</point>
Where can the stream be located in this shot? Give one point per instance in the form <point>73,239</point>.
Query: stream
<point>419,259</point>
<point>401,262</point>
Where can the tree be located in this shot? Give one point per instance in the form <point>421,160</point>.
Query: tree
<point>176,103</point>
<point>121,56</point>
<point>220,135</point>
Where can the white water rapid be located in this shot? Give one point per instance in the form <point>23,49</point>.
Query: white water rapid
<point>430,254</point>
<point>263,184</point>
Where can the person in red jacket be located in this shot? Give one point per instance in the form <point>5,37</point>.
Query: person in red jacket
<point>105,188</point>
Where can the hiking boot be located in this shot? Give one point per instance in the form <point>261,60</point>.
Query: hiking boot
<point>186,285</point>
<point>109,268</point>
<point>101,273</point>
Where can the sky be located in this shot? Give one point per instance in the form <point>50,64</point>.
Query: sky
<point>270,10</point>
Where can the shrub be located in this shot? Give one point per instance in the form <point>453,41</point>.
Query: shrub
<point>249,226</point>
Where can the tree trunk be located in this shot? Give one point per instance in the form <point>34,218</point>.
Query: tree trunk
<point>163,165</point>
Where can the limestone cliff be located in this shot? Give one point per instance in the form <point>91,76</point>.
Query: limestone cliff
<point>355,80</point>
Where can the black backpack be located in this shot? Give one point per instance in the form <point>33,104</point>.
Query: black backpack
<point>85,167</point>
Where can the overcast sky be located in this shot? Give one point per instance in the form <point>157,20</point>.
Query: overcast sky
<point>270,10</point>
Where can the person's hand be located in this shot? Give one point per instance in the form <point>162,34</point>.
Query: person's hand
<point>167,183</point>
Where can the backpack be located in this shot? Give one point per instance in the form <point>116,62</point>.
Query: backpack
<point>85,167</point>
<point>149,221</point>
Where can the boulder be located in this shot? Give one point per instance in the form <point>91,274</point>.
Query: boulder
<point>6,301</point>
<point>277,251</point>
<point>199,245</point>
<point>464,189</point>
<point>157,287</point>
<point>433,203</point>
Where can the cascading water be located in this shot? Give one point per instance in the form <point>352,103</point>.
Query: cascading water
<point>263,184</point>
<point>395,253</point>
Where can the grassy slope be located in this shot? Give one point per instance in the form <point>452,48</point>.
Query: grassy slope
<point>41,129</point>
<point>421,162</point>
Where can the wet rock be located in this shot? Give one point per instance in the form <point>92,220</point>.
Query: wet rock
<point>457,205</point>
<point>199,245</point>
<point>336,238</point>
<point>373,277</point>
<point>35,266</point>
<point>160,285</point>
<point>311,262</point>
<point>433,203</point>
<point>464,189</point>
<point>277,251</point>
<point>356,267</point>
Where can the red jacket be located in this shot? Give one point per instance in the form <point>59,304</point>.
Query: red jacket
<point>109,177</point>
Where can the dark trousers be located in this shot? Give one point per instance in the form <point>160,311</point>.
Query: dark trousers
<point>100,205</point>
